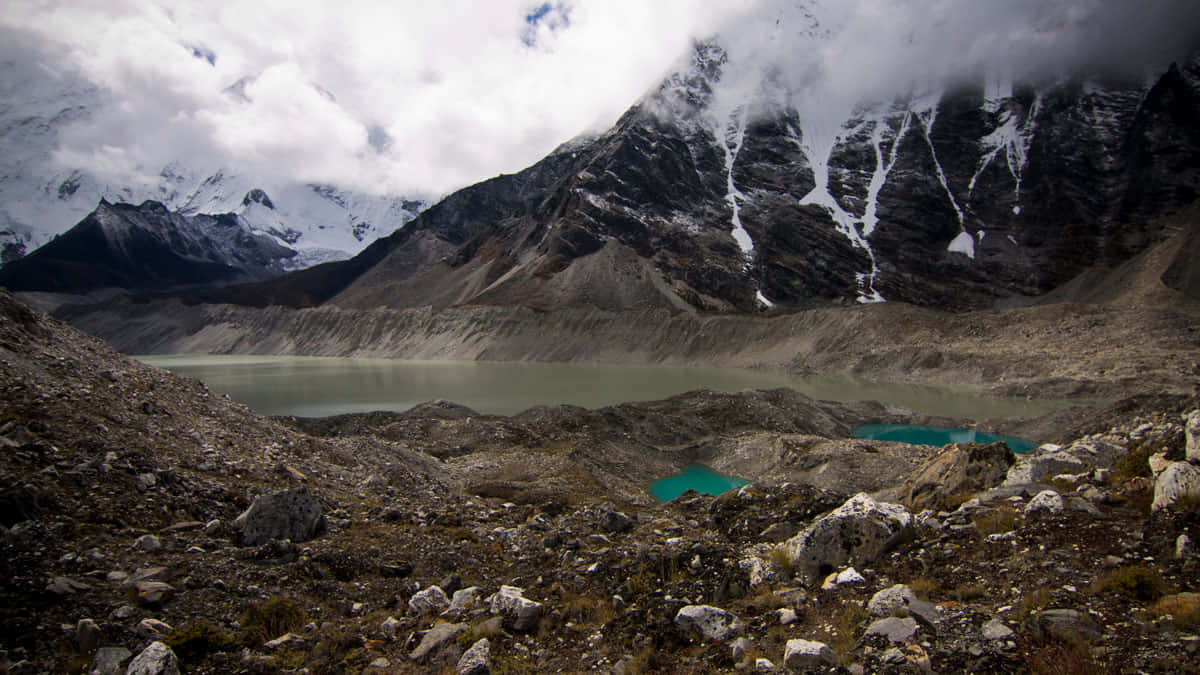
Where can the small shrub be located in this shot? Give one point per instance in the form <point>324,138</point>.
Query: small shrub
<point>966,592</point>
<point>269,620</point>
<point>924,586</point>
<point>1184,610</point>
<point>995,521</point>
<point>1136,581</point>
<point>1135,462</point>
<point>1064,658</point>
<point>195,640</point>
<point>1034,600</point>
<point>782,559</point>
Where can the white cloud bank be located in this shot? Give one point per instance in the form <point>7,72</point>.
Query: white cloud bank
<point>424,97</point>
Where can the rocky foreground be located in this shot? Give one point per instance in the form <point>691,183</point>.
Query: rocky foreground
<point>150,525</point>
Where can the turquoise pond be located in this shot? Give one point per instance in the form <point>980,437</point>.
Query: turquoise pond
<point>922,435</point>
<point>695,477</point>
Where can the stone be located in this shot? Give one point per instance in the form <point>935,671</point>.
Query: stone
<point>213,527</point>
<point>464,600</point>
<point>294,515</point>
<point>110,661</point>
<point>786,616</point>
<point>155,659</point>
<point>148,543</point>
<point>961,468</point>
<point>1066,625</point>
<point>518,612</point>
<point>432,600</point>
<point>887,601</point>
<point>435,638</point>
<point>285,640</point>
<point>380,663</point>
<point>856,532</point>
<point>1184,548</point>
<point>153,593</point>
<point>741,647</point>
<point>801,654</point>
<point>1177,482</point>
<point>615,521</point>
<point>477,660</point>
<point>893,628</point>
<point>706,621</point>
<point>849,576</point>
<point>389,627</point>
<point>87,636</point>
<point>996,630</point>
<point>63,586</point>
<point>153,629</point>
<point>1192,431</point>
<point>1046,500</point>
<point>926,613</point>
<point>762,665</point>
<point>1084,505</point>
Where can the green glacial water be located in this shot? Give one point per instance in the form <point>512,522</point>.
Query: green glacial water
<point>695,477</point>
<point>921,435</point>
<point>318,386</point>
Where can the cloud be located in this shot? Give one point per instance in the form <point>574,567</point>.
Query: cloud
<point>423,98</point>
<point>384,97</point>
<point>831,54</point>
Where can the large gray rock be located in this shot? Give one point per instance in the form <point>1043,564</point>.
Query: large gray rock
<point>432,600</point>
<point>519,612</point>
<point>294,515</point>
<point>802,654</point>
<point>964,468</point>
<point>1180,480</point>
<point>996,630</point>
<point>706,621</point>
<point>856,532</point>
<point>1046,500</point>
<point>110,661</point>
<point>893,628</point>
<point>1065,624</point>
<point>1193,437</point>
<point>155,659</point>
<point>887,601</point>
<point>435,638</point>
<point>477,660</point>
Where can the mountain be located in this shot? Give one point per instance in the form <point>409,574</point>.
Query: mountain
<point>41,197</point>
<point>148,247</point>
<point>956,198</point>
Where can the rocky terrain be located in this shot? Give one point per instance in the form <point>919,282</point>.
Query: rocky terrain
<point>149,522</point>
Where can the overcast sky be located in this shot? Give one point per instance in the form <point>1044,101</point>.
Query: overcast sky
<point>409,96</point>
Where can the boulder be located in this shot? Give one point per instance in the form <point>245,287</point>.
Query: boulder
<point>294,515</point>
<point>519,613</point>
<point>435,638</point>
<point>1180,480</point>
<point>887,601</point>
<point>432,600</point>
<point>960,469</point>
<point>856,532</point>
<point>706,621</point>
<point>893,628</point>
<point>1046,500</point>
<point>1193,437</point>
<point>110,661</point>
<point>155,659</point>
<point>615,521</point>
<point>1067,625</point>
<point>807,654</point>
<point>996,630</point>
<point>477,660</point>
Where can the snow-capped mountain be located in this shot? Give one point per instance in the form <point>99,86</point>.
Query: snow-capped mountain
<point>41,197</point>
<point>148,248</point>
<point>712,195</point>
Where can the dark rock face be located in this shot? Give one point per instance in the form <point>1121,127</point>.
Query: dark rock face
<point>147,247</point>
<point>950,200</point>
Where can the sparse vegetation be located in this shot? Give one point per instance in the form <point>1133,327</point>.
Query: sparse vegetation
<point>269,620</point>
<point>195,640</point>
<point>1184,610</point>
<point>996,521</point>
<point>1136,581</point>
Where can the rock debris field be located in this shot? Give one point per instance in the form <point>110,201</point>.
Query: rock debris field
<point>152,526</point>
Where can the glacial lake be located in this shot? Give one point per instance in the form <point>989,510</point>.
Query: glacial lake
<point>695,477</point>
<point>307,386</point>
<point>937,436</point>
